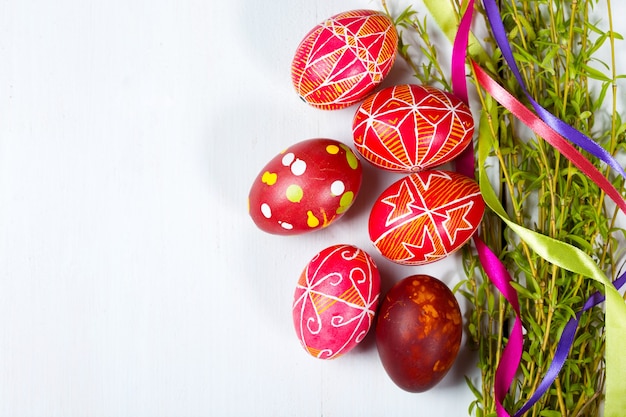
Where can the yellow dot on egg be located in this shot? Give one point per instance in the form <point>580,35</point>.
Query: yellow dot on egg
<point>332,149</point>
<point>294,193</point>
<point>269,178</point>
<point>311,220</point>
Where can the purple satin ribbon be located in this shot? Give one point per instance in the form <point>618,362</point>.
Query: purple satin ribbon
<point>566,130</point>
<point>563,348</point>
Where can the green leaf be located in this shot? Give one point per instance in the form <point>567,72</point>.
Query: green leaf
<point>473,388</point>
<point>595,74</point>
<point>581,242</point>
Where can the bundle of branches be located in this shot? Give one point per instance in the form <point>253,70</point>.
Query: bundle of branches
<point>566,53</point>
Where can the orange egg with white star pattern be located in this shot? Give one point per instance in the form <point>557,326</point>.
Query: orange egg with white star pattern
<point>425,216</point>
<point>306,187</point>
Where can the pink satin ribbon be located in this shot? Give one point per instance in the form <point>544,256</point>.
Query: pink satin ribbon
<point>548,134</point>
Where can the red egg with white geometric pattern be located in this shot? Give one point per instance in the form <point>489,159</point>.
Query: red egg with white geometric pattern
<point>344,58</point>
<point>409,128</point>
<point>335,301</point>
<point>305,188</point>
<point>425,216</point>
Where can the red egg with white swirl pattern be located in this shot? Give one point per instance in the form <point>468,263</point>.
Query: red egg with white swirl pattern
<point>335,301</point>
<point>343,58</point>
<point>425,216</point>
<point>305,188</point>
<point>408,128</point>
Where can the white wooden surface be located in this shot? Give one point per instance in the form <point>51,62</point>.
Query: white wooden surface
<point>132,281</point>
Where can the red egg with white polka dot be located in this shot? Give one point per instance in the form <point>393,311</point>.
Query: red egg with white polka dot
<point>408,128</point>
<point>305,188</point>
<point>344,58</point>
<point>425,216</point>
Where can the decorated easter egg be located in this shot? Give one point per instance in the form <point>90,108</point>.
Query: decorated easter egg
<point>425,216</point>
<point>410,128</point>
<point>418,332</point>
<point>306,187</point>
<point>335,301</point>
<point>344,58</point>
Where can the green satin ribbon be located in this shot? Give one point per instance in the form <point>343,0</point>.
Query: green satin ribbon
<point>554,251</point>
<point>575,260</point>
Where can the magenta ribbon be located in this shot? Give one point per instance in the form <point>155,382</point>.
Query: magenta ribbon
<point>512,353</point>
<point>495,270</point>
<point>465,161</point>
<point>493,267</point>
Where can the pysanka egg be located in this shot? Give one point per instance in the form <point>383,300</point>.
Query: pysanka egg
<point>344,58</point>
<point>306,187</point>
<point>425,216</point>
<point>335,301</point>
<point>411,127</point>
<point>418,332</point>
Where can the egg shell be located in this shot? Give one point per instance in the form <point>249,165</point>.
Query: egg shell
<point>305,188</point>
<point>335,301</point>
<point>344,58</point>
<point>418,332</point>
<point>410,128</point>
<point>425,216</point>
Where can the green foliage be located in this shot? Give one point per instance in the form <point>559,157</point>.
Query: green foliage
<point>425,64</point>
<point>556,46</point>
